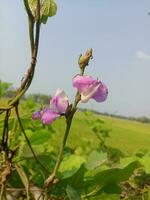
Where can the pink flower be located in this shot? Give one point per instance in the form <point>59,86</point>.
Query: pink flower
<point>58,105</point>
<point>36,115</point>
<point>49,116</point>
<point>90,88</point>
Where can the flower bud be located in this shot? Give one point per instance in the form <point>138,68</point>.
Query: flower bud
<point>84,59</point>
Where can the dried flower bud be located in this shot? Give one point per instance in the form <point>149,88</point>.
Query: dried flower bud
<point>84,59</point>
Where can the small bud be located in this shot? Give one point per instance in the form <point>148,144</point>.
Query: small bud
<point>84,59</point>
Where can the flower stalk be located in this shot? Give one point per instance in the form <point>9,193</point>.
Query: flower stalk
<point>69,116</point>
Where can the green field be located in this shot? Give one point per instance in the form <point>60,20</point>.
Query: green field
<point>129,136</point>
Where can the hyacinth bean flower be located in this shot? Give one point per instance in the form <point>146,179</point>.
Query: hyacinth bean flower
<point>89,88</point>
<point>49,116</point>
<point>36,115</point>
<point>58,105</point>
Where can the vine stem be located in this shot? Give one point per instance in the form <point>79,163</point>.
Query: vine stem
<point>34,51</point>
<point>2,191</point>
<point>25,83</point>
<point>5,130</point>
<point>52,176</point>
<point>31,23</point>
<point>92,193</point>
<point>28,142</point>
<point>69,116</point>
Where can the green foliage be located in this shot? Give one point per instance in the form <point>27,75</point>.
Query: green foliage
<point>23,178</point>
<point>48,9</point>
<point>42,99</point>
<point>93,168</point>
<point>95,160</point>
<point>72,193</point>
<point>70,164</point>
<point>116,175</point>
<point>4,88</point>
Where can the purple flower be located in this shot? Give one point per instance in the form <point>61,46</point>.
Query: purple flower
<point>36,115</point>
<point>58,105</point>
<point>49,116</point>
<point>90,88</point>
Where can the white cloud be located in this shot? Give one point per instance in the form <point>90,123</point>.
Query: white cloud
<point>142,56</point>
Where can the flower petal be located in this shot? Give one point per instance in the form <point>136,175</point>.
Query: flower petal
<point>92,89</point>
<point>82,83</point>
<point>49,116</point>
<point>59,103</point>
<point>101,94</point>
<point>36,115</point>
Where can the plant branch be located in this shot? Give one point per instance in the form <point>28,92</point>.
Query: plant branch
<point>52,176</point>
<point>69,116</point>
<point>28,142</point>
<point>31,22</point>
<point>5,130</point>
<point>26,4</point>
<point>28,78</point>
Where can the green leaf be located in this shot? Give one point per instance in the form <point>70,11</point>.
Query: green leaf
<point>76,180</point>
<point>23,178</point>
<point>127,160</point>
<point>96,159</point>
<point>48,9</point>
<point>116,175</point>
<point>32,5</point>
<point>72,193</point>
<point>105,196</point>
<point>38,149</point>
<point>148,194</point>
<point>70,165</point>
<point>40,137</point>
<point>53,8</point>
<point>146,163</point>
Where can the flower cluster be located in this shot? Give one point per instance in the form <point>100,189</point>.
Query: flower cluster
<point>87,87</point>
<point>58,106</point>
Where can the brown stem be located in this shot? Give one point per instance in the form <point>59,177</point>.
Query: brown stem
<point>5,130</point>
<point>28,79</point>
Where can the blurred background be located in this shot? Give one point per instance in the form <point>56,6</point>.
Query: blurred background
<point>118,32</point>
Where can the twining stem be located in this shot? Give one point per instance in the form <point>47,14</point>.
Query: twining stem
<point>69,117</point>
<point>5,130</point>
<point>63,145</point>
<point>2,191</point>
<point>31,22</point>
<point>92,193</point>
<point>68,126</point>
<point>83,61</point>
<point>34,50</point>
<point>31,34</point>
<point>52,176</point>
<point>28,142</point>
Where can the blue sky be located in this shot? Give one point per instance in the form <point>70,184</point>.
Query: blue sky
<point>117,30</point>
